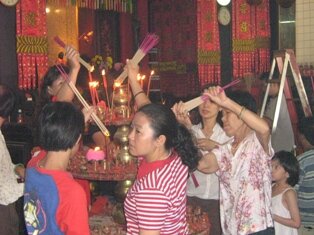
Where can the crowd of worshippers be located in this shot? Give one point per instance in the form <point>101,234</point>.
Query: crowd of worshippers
<point>229,163</point>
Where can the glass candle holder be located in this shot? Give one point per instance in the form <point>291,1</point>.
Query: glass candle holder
<point>120,101</point>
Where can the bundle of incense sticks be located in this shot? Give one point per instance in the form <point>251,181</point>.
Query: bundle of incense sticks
<point>98,122</point>
<point>191,104</point>
<point>83,62</point>
<point>148,43</point>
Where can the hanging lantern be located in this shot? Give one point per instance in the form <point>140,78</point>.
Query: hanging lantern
<point>285,3</point>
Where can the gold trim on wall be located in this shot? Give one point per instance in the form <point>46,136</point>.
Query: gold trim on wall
<point>61,22</point>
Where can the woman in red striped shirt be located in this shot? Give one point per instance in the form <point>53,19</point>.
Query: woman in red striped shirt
<point>156,203</point>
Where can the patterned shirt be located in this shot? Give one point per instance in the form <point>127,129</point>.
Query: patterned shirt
<point>305,188</point>
<point>157,201</point>
<point>245,187</point>
<point>10,189</point>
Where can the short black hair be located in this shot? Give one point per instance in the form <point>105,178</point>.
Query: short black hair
<point>291,165</point>
<point>243,98</point>
<point>60,126</point>
<point>306,128</point>
<point>7,101</point>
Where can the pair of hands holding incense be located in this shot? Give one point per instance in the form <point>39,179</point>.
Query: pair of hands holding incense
<point>211,93</point>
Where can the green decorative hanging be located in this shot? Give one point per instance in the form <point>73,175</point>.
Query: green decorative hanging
<point>123,6</point>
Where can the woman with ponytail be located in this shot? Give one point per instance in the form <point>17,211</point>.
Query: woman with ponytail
<point>156,203</point>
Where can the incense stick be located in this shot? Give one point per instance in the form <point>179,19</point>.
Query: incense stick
<point>234,82</point>
<point>148,43</point>
<point>83,62</point>
<point>98,122</point>
<point>191,104</point>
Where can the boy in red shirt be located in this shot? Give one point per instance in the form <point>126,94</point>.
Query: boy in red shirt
<point>54,203</point>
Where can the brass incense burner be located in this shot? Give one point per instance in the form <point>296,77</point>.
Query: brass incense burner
<point>121,108</point>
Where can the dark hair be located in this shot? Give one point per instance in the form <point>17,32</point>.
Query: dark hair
<point>7,101</point>
<point>274,79</point>
<point>164,122</point>
<point>60,125</point>
<point>44,97</point>
<point>219,114</point>
<point>306,128</point>
<point>51,75</point>
<point>291,165</point>
<point>243,98</point>
<point>208,85</point>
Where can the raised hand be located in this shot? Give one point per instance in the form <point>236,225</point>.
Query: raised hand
<point>72,57</point>
<point>181,114</point>
<point>217,95</point>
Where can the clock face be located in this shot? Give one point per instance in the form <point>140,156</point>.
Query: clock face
<point>9,2</point>
<point>224,16</point>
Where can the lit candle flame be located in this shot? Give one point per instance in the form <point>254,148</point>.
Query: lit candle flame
<point>117,84</point>
<point>97,148</point>
<point>152,72</point>
<point>103,72</point>
<point>92,68</point>
<point>93,84</point>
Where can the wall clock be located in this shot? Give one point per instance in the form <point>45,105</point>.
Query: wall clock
<point>224,16</point>
<point>9,3</point>
<point>223,2</point>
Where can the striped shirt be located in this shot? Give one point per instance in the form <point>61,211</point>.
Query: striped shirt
<point>305,188</point>
<point>157,201</point>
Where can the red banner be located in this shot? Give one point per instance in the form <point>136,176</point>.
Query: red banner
<point>208,42</point>
<point>32,45</point>
<point>250,37</point>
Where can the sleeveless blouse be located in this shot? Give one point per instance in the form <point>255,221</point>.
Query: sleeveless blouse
<point>279,209</point>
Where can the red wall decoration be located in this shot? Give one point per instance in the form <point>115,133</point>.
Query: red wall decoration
<point>32,45</point>
<point>176,24</point>
<point>250,38</point>
<point>208,42</point>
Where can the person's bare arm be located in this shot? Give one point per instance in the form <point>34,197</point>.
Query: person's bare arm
<point>256,123</point>
<point>65,93</point>
<point>290,201</point>
<point>181,114</point>
<point>139,95</point>
<point>208,163</point>
<point>149,232</point>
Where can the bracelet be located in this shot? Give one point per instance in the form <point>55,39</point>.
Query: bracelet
<point>140,92</point>
<point>241,112</point>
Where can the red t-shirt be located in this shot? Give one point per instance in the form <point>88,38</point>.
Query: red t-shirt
<point>55,194</point>
<point>84,183</point>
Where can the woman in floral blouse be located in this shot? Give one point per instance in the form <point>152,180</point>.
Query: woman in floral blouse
<point>243,166</point>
